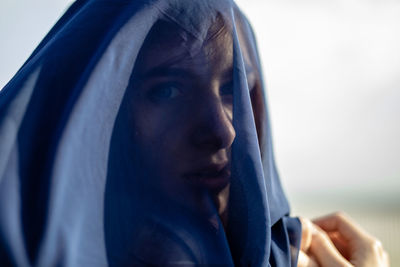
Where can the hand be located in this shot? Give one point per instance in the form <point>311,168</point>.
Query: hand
<point>336,240</point>
<point>307,230</point>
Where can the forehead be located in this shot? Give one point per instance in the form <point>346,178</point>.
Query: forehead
<point>168,45</point>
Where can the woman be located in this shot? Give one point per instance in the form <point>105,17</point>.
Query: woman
<point>180,106</point>
<point>137,134</point>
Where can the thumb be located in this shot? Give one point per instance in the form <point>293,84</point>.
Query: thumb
<point>325,251</point>
<point>306,233</point>
<point>306,261</point>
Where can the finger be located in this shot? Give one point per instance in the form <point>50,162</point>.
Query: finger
<point>324,250</point>
<point>306,233</point>
<point>386,260</point>
<point>383,255</point>
<point>341,245</point>
<point>339,222</point>
<point>305,261</point>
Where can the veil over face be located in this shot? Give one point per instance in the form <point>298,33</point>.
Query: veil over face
<point>137,133</point>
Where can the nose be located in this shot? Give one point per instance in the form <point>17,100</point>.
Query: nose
<point>214,129</point>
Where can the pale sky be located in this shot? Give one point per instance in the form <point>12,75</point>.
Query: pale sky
<point>332,70</point>
<point>333,75</point>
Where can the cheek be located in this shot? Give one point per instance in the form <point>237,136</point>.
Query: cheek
<point>160,133</point>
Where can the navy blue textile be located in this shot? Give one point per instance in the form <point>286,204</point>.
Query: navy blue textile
<point>137,133</point>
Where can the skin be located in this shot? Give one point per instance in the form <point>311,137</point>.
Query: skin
<point>336,240</point>
<point>183,113</point>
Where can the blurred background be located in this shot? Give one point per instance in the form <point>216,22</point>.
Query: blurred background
<point>332,70</point>
<point>333,74</point>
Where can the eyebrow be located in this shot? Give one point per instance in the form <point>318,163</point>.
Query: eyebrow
<point>162,71</point>
<point>167,71</point>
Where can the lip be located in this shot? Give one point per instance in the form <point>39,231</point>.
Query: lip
<point>213,177</point>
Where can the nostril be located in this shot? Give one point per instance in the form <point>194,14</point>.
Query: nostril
<point>205,139</point>
<point>214,134</point>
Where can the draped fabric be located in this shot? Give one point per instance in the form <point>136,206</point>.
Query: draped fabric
<point>137,134</point>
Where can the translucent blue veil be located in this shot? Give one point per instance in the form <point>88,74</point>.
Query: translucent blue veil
<point>137,134</point>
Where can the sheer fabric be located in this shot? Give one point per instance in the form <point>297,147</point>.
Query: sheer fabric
<point>137,133</point>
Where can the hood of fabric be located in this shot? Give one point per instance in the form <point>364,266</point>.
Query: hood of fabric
<point>125,128</point>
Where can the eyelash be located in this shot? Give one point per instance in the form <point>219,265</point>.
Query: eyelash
<point>157,93</point>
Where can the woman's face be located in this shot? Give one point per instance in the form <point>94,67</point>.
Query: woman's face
<point>183,112</point>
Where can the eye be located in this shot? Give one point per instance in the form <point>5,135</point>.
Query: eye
<point>226,94</point>
<point>165,91</point>
<point>226,89</point>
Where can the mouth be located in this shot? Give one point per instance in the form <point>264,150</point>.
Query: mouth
<point>212,177</point>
